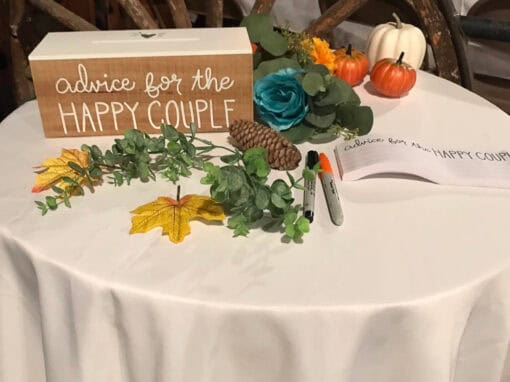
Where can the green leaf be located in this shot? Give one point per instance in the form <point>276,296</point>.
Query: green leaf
<point>278,201</point>
<point>241,231</point>
<point>309,174</point>
<point>109,158</point>
<point>313,83</point>
<point>57,190</point>
<point>230,158</point>
<point>66,200</point>
<point>40,204</point>
<point>364,120</point>
<point>134,137</point>
<point>337,92</point>
<point>325,136</point>
<point>289,218</point>
<point>234,180</point>
<point>143,171</point>
<point>42,207</point>
<point>322,121</point>
<point>274,43</point>
<point>355,117</point>
<point>218,195</point>
<point>173,147</point>
<point>322,110</point>
<point>119,179</point>
<point>271,66</point>
<point>51,202</point>
<point>70,181</point>
<point>262,197</point>
<point>303,224</point>
<point>255,160</point>
<point>290,231</point>
<point>257,26</point>
<point>76,167</point>
<point>292,180</point>
<point>354,99</point>
<point>212,173</point>
<point>253,213</point>
<point>169,132</point>
<point>96,172</point>
<point>96,152</point>
<point>299,133</point>
<point>238,223</point>
<point>257,58</point>
<point>317,68</point>
<point>281,190</point>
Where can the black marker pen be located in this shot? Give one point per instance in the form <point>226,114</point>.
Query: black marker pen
<point>309,192</point>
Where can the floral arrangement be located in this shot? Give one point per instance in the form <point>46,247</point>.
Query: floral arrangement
<point>295,88</point>
<point>296,93</point>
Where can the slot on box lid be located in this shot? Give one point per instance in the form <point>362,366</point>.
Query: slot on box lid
<point>142,43</point>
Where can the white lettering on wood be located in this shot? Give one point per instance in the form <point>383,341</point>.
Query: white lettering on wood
<point>84,85</point>
<point>207,81</point>
<point>67,114</point>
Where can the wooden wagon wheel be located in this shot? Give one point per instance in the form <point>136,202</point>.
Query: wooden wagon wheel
<point>437,21</point>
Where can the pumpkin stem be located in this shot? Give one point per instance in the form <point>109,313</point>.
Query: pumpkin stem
<point>349,50</point>
<point>399,61</point>
<point>397,19</point>
<point>178,192</point>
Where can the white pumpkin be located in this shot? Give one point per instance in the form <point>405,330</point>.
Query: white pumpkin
<point>390,39</point>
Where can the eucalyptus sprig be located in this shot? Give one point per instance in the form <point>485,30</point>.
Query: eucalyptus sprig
<point>335,109</point>
<point>241,185</point>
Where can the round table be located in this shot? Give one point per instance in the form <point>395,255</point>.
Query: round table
<point>414,286</point>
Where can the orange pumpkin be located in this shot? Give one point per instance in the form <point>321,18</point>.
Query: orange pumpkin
<point>351,65</point>
<point>393,78</point>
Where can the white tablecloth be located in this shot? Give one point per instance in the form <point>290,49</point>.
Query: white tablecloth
<point>415,286</point>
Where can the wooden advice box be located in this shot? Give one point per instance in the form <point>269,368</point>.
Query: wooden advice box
<point>101,83</point>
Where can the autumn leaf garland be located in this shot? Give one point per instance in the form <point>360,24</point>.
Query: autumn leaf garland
<point>240,187</point>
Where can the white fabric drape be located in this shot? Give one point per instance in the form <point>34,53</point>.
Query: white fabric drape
<point>415,286</point>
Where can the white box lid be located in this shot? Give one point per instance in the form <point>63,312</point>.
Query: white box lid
<point>142,43</point>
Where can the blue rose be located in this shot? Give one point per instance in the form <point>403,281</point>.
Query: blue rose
<point>280,100</point>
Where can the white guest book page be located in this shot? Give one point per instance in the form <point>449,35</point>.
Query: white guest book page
<point>377,155</point>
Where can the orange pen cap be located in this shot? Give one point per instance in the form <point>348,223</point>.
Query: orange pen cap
<point>325,164</point>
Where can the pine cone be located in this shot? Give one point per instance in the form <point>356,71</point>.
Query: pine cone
<point>281,154</point>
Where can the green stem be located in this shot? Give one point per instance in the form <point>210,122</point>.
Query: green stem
<point>397,19</point>
<point>209,144</point>
<point>109,167</point>
<point>297,181</point>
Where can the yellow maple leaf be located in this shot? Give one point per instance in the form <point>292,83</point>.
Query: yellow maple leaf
<point>173,216</point>
<point>52,170</point>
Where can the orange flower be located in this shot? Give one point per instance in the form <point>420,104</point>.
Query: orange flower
<point>322,54</point>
